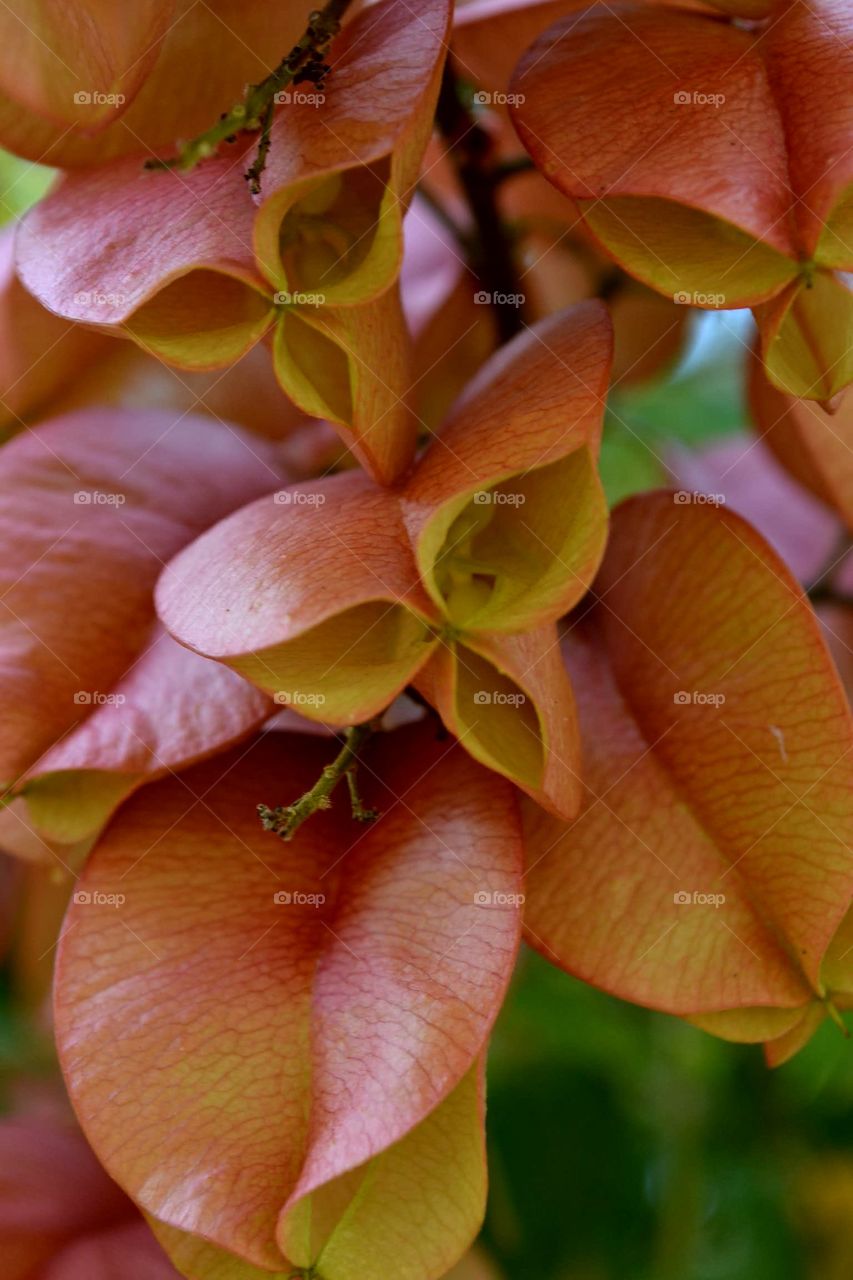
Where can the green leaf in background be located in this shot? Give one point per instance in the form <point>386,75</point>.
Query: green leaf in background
<point>627,1145</point>
<point>700,400</point>
<point>22,184</point>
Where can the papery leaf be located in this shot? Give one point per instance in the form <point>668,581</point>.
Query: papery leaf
<point>312,593</point>
<point>40,353</point>
<point>172,706</point>
<point>743,474</point>
<point>509,702</point>
<point>76,64</point>
<point>413,1209</point>
<point>209,54</point>
<point>506,510</point>
<point>341,172</point>
<point>164,257</point>
<point>325,997</point>
<point>318,253</point>
<point>406,1211</point>
<point>246,394</point>
<point>816,447</point>
<point>805,337</point>
<point>808,53</point>
<point>92,505</point>
<point>689,195</point>
<point>717,740</point>
<point>709,160</point>
<point>488,34</point>
<point>350,365</point>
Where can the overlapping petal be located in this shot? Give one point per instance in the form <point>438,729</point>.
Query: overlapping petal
<point>40,352</point>
<point>175,64</point>
<point>805,336</point>
<point>509,489</point>
<point>76,64</point>
<point>407,1211</point>
<point>341,175</point>
<point>711,863</point>
<point>318,257</point>
<point>509,701</point>
<point>816,447</point>
<point>329,999</point>
<point>94,697</point>
<point>170,254</point>
<point>708,159</point>
<point>312,593</point>
<point>726,163</point>
<point>334,594</point>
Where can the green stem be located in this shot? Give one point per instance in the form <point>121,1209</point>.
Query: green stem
<point>256,168</point>
<point>306,61</point>
<point>285,820</point>
<point>359,812</point>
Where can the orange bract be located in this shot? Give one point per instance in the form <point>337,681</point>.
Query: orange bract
<point>711,162</point>
<point>711,863</point>
<point>314,263</point>
<point>334,595</point>
<point>85,81</point>
<point>816,447</point>
<point>96,697</point>
<point>267,970</point>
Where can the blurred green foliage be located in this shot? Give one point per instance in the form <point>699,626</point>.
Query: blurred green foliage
<point>22,183</point>
<point>627,1145</point>
<point>698,401</point>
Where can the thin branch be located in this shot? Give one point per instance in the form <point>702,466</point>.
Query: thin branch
<point>285,820</point>
<point>479,171</point>
<point>305,62</point>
